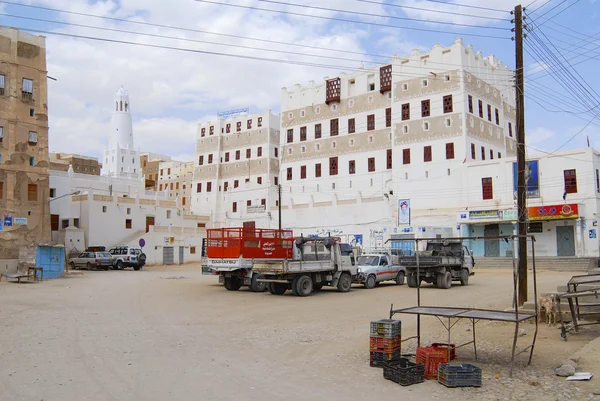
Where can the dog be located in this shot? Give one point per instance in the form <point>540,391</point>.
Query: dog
<point>548,303</point>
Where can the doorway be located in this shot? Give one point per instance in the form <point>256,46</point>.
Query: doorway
<point>492,246</point>
<point>181,252</point>
<point>149,222</point>
<point>565,241</point>
<point>168,255</point>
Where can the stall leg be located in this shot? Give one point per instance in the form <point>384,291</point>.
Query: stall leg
<point>512,356</point>
<point>474,340</point>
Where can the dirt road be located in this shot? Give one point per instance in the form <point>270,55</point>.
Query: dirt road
<point>173,334</point>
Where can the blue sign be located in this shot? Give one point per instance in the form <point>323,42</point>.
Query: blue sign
<point>532,179</point>
<point>8,220</point>
<point>0,225</point>
<point>142,242</point>
<point>232,113</point>
<point>20,221</point>
<point>357,240</point>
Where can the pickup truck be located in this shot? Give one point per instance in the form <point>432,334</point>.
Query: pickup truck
<point>373,268</point>
<point>440,263</point>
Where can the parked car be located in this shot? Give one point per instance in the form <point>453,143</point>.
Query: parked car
<point>375,267</point>
<point>92,261</point>
<point>126,256</point>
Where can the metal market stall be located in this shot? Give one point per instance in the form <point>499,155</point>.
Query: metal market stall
<point>454,314</point>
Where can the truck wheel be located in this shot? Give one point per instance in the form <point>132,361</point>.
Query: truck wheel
<point>232,283</point>
<point>317,287</point>
<point>400,278</point>
<point>444,280</point>
<point>120,265</point>
<point>294,282</point>
<point>257,286</point>
<point>137,267</point>
<point>412,280</point>
<point>277,288</point>
<point>73,266</point>
<point>344,283</point>
<point>464,277</point>
<point>304,286</point>
<point>370,282</point>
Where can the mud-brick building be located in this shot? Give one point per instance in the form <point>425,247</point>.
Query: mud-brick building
<point>24,158</point>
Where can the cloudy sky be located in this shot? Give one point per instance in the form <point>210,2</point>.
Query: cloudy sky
<point>235,53</point>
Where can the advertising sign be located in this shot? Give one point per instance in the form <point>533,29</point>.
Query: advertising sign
<point>355,239</point>
<point>256,209</point>
<point>233,113</point>
<point>403,212</point>
<point>511,214</point>
<point>532,179</point>
<point>483,214</point>
<point>20,221</point>
<point>553,212</point>
<point>8,220</point>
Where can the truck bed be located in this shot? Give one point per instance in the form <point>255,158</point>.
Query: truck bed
<point>295,266</point>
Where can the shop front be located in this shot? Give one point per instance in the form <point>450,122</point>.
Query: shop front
<point>558,230</point>
<point>483,226</point>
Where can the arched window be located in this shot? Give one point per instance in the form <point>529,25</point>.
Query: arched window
<point>121,105</point>
<point>126,106</point>
<point>116,106</point>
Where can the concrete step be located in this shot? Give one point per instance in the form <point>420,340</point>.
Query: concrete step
<point>542,263</point>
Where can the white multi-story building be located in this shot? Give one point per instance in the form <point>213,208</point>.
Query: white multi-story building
<point>116,209</point>
<point>175,178</point>
<point>356,147</point>
<point>237,170</point>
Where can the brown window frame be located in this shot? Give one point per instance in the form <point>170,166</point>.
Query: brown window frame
<point>450,151</point>
<point>200,162</point>
<point>371,122</point>
<point>351,125</point>
<point>259,180</point>
<point>236,183</point>
<point>406,111</point>
<point>406,156</point>
<point>497,114</point>
<point>238,155</point>
<point>259,122</point>
<point>290,135</point>
<point>510,131</point>
<point>249,124</point>
<point>334,127</point>
<point>371,164</point>
<point>427,153</point>
<point>388,117</point>
<point>128,224</point>
<point>570,180</point>
<point>389,155</point>
<point>226,156</point>
<point>210,160</point>
<point>289,174</point>
<point>333,166</point>
<point>426,108</point>
<point>448,104</point>
<point>302,134</point>
<point>198,187</point>
<point>259,151</point>
<point>352,167</point>
<point>234,207</point>
<point>32,192</point>
<point>302,172</point>
<point>489,112</point>
<point>470,102</point>
<point>318,131</point>
<point>480,103</point>
<point>238,126</point>
<point>473,152</point>
<point>483,153</point>
<point>228,129</point>
<point>209,186</point>
<point>248,153</point>
<point>487,188</point>
<point>318,170</point>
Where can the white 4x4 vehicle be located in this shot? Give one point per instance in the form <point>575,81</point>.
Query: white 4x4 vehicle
<point>125,256</point>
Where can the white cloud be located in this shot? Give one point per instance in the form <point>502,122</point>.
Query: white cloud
<point>172,91</point>
<point>540,139</point>
<point>448,12</point>
<point>538,67</point>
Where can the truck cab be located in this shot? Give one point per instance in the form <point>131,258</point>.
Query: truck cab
<point>373,268</point>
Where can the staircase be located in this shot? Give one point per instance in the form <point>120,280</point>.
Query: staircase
<point>541,263</point>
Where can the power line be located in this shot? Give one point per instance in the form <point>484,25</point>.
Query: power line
<point>377,15</point>
<point>431,10</point>
<point>211,33</point>
<point>560,12</point>
<point>540,7</point>
<point>468,6</point>
<point>348,21</point>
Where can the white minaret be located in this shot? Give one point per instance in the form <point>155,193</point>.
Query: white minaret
<point>120,159</point>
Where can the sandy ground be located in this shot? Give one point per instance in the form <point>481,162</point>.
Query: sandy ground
<point>169,333</point>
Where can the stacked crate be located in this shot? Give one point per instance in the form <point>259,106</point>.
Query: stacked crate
<point>431,357</point>
<point>385,342</point>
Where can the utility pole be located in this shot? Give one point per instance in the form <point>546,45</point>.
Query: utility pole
<point>521,189</point>
<point>279,193</point>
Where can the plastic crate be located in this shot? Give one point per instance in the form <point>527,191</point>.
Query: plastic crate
<point>386,328</point>
<point>465,375</point>
<point>381,359</point>
<point>404,372</point>
<point>384,344</point>
<point>444,347</point>
<point>431,357</point>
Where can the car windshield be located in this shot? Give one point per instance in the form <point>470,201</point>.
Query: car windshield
<point>368,261</point>
<point>104,254</point>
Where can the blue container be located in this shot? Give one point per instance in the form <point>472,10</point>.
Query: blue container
<point>51,259</point>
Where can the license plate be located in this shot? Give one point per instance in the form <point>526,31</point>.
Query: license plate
<point>104,260</point>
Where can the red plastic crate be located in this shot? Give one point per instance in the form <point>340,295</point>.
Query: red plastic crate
<point>382,344</point>
<point>444,347</point>
<point>431,357</point>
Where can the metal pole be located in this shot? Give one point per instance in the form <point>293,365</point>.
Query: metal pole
<point>279,192</point>
<point>418,282</point>
<point>521,163</point>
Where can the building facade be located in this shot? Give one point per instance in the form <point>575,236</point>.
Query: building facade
<point>236,173</point>
<point>175,179</point>
<point>116,209</point>
<point>24,154</point>
<point>355,148</point>
<point>80,164</point>
<point>149,163</point>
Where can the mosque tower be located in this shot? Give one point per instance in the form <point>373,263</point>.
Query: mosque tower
<point>121,159</point>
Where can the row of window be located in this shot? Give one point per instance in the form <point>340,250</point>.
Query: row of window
<point>170,186</point>
<point>32,137</point>
<point>26,87</point>
<point>483,153</point>
<point>236,183</point>
<point>227,129</point>
<point>569,180</point>
<point>234,205</point>
<point>32,192</point>
<point>488,109</point>
<point>334,167</point>
<point>238,155</point>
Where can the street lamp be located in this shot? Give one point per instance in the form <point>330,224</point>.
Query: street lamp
<point>62,196</point>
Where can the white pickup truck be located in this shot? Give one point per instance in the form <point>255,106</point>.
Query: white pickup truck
<point>375,267</point>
